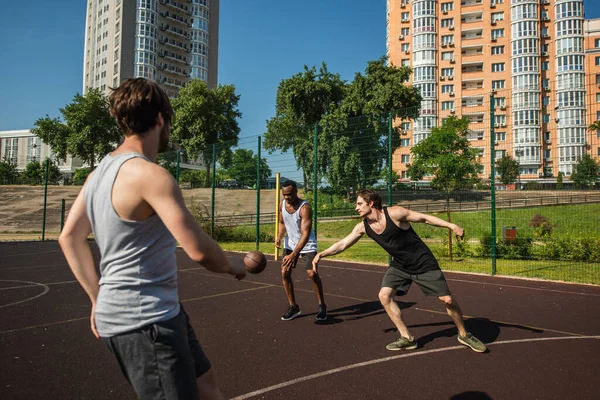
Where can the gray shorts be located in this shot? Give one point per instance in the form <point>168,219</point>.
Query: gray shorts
<point>161,360</point>
<point>306,259</point>
<point>432,283</point>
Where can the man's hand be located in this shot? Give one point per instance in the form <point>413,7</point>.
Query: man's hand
<point>93,321</point>
<point>278,243</point>
<point>289,262</point>
<point>237,268</point>
<point>458,231</point>
<point>315,263</point>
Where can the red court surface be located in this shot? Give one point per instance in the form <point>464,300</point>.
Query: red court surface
<point>543,337</point>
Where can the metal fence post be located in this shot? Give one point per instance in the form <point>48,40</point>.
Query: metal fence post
<point>214,183</point>
<point>258,193</point>
<point>45,199</point>
<point>178,162</point>
<point>62,214</point>
<point>315,185</point>
<point>389,162</point>
<point>493,181</point>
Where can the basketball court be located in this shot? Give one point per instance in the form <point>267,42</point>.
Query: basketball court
<point>543,337</point>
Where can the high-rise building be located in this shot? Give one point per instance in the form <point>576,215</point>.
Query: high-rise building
<point>169,41</point>
<point>539,59</point>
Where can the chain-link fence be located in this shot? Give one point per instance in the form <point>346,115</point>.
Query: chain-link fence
<point>530,215</point>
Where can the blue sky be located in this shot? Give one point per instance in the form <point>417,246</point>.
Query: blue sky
<point>261,43</point>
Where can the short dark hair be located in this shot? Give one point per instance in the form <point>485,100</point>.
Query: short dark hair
<point>288,183</point>
<point>136,103</point>
<point>369,195</point>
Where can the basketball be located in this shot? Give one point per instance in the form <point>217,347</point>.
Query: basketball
<point>255,262</point>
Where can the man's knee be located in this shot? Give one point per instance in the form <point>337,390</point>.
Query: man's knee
<point>286,275</point>
<point>386,295</point>
<point>448,301</point>
<point>312,275</point>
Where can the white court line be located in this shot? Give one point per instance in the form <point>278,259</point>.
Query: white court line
<point>482,283</point>
<point>46,290</point>
<point>392,358</point>
<point>28,286</point>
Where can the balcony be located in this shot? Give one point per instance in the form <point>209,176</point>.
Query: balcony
<point>476,101</point>
<point>472,84</point>
<point>466,3</point>
<point>471,50</point>
<point>471,17</point>
<point>472,34</point>
<point>176,6</point>
<point>472,67</point>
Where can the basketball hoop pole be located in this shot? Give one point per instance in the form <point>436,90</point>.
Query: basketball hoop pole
<point>277,211</point>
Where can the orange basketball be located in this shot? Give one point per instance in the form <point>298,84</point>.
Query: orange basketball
<point>255,262</point>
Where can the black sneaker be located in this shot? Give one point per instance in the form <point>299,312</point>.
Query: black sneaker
<point>322,314</point>
<point>293,312</point>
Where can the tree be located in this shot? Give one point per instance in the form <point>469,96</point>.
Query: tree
<point>559,181</point>
<point>8,172</point>
<point>448,157</point>
<point>242,167</point>
<point>205,117</point>
<point>88,131</point>
<point>508,168</point>
<point>586,171</point>
<point>80,175</point>
<point>301,102</point>
<point>34,173</point>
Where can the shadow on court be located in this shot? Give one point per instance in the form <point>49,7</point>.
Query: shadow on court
<point>471,396</point>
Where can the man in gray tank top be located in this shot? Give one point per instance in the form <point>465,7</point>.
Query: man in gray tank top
<point>412,261</point>
<point>295,220</point>
<point>136,212</point>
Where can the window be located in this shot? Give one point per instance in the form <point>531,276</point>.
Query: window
<point>449,55</point>
<point>405,126</point>
<point>405,62</point>
<point>597,60</point>
<point>500,137</point>
<point>447,88</point>
<point>497,33</point>
<point>405,47</point>
<point>545,118</point>
<point>405,142</point>
<point>500,154</point>
<point>447,71</point>
<point>447,105</point>
<point>545,65</point>
<point>497,50</point>
<point>447,22</point>
<point>405,16</point>
<point>498,67</point>
<point>546,83</point>
<point>544,15</point>
<point>405,158</point>
<point>546,101</point>
<point>498,84</point>
<point>447,6</point>
<point>447,39</point>
<point>597,43</point>
<point>544,32</point>
<point>597,97</point>
<point>498,16</point>
<point>405,31</point>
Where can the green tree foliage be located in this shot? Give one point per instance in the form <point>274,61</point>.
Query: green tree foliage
<point>242,167</point>
<point>35,171</point>
<point>88,132</point>
<point>447,156</point>
<point>8,173</point>
<point>301,102</point>
<point>205,117</point>
<point>80,175</point>
<point>508,168</point>
<point>559,181</point>
<point>586,171</point>
<point>352,118</point>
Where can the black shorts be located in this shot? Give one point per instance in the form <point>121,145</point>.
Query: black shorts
<point>432,283</point>
<point>307,258</point>
<point>161,360</point>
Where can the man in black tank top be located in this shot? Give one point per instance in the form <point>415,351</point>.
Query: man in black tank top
<point>412,261</point>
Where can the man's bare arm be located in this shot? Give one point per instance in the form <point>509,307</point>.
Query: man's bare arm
<point>162,193</point>
<point>74,244</point>
<point>400,214</point>
<point>343,244</point>
<point>281,231</point>
<point>305,228</point>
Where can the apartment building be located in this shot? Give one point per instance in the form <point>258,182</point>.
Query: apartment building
<point>534,56</point>
<point>169,41</point>
<point>21,147</point>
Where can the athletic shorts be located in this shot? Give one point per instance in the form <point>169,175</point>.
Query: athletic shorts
<point>161,360</point>
<point>305,259</point>
<point>432,283</point>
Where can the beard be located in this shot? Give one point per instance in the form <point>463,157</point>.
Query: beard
<point>163,140</point>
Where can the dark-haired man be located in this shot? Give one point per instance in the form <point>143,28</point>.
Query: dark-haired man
<point>300,243</point>
<point>137,214</point>
<point>412,261</point>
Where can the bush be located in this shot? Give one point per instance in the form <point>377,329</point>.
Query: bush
<point>520,248</point>
<point>80,175</point>
<point>541,226</point>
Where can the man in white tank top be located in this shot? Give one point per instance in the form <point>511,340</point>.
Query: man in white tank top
<point>300,242</point>
<point>136,210</point>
